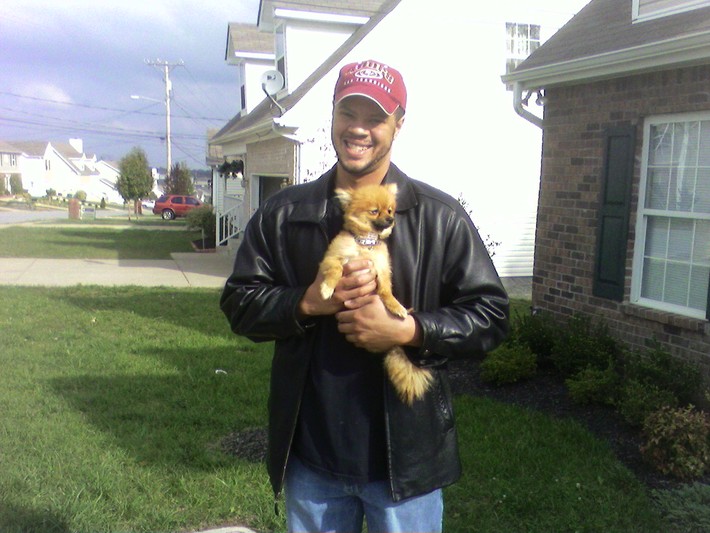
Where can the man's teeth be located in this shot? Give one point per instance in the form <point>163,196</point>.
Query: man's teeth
<point>357,147</point>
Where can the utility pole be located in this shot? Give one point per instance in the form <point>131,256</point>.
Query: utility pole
<point>166,67</point>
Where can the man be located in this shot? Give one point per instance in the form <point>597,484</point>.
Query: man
<point>340,439</point>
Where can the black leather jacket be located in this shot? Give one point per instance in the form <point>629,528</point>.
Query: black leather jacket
<point>441,270</point>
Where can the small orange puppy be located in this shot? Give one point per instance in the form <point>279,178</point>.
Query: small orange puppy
<point>369,219</point>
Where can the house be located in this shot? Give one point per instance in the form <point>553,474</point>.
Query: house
<point>64,168</point>
<point>9,157</point>
<point>623,229</point>
<point>460,134</point>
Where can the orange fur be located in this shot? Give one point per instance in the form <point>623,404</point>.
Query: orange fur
<point>369,219</point>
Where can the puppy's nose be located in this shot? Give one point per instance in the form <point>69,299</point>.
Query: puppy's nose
<point>389,220</point>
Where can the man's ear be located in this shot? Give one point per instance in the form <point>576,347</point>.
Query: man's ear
<point>398,127</point>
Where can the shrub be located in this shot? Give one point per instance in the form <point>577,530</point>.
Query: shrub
<point>16,184</point>
<point>592,385</point>
<point>202,218</point>
<point>581,345</point>
<point>686,509</point>
<point>677,441</point>
<point>658,367</point>
<point>509,363</point>
<point>538,332</point>
<point>638,400</point>
<point>102,205</point>
<point>80,195</point>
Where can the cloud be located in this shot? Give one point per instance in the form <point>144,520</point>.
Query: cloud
<point>47,91</point>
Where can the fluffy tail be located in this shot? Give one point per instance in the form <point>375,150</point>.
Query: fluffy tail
<point>410,381</point>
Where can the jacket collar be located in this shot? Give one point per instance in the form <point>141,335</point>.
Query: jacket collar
<point>313,200</point>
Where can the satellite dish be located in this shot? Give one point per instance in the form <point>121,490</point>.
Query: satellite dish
<point>272,81</point>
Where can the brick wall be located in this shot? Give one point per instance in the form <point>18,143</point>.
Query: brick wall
<point>576,119</point>
<point>273,157</point>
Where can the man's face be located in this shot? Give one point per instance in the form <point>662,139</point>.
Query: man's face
<point>362,135</point>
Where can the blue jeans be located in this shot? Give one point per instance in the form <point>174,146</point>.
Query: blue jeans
<point>318,503</point>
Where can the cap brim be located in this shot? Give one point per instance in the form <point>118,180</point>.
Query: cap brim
<point>387,105</point>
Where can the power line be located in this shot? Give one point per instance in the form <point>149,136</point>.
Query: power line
<point>103,108</point>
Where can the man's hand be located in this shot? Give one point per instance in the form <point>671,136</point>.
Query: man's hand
<point>359,279</point>
<point>369,325</point>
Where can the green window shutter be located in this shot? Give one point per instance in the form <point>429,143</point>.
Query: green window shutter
<point>613,230</point>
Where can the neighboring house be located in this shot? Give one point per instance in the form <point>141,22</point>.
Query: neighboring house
<point>9,165</point>
<point>65,168</point>
<point>623,228</point>
<point>460,132</point>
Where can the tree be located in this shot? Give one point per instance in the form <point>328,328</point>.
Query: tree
<point>179,180</point>
<point>135,180</point>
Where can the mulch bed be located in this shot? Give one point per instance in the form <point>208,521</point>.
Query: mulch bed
<point>545,392</point>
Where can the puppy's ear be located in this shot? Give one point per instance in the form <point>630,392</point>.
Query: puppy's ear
<point>344,196</point>
<point>392,187</point>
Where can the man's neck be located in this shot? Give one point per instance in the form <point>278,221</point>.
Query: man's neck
<point>345,180</point>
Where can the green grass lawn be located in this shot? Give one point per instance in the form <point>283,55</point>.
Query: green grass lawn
<point>112,414</point>
<point>72,241</point>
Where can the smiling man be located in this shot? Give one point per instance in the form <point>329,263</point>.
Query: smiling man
<point>341,442</point>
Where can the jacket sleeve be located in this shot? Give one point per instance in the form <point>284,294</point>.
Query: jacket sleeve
<point>258,299</point>
<point>472,316</point>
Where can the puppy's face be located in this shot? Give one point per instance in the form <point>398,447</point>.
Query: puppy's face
<point>370,209</point>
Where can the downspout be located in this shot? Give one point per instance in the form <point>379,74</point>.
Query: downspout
<point>520,108</point>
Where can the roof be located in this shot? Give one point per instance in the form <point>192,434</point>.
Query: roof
<point>362,8</point>
<point>603,41</point>
<point>262,114</point>
<point>7,148</point>
<point>30,148</point>
<point>248,38</point>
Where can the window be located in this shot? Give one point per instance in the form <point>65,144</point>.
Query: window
<point>521,41</point>
<point>672,256</point>
<point>650,9</point>
<point>47,164</point>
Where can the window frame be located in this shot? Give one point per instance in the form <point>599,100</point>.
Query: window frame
<point>680,6</point>
<point>643,213</point>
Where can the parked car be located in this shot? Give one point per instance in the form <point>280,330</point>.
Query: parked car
<point>170,206</point>
<point>148,204</point>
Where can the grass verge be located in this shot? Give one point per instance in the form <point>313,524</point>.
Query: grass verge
<point>113,414</point>
<point>76,242</point>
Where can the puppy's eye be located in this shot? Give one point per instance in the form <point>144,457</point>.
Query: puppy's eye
<point>374,211</point>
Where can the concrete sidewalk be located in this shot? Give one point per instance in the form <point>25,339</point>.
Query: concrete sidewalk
<point>182,270</point>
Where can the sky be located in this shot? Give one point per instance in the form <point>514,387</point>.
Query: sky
<point>69,68</point>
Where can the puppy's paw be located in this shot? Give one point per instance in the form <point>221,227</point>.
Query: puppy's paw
<point>394,307</point>
<point>326,291</point>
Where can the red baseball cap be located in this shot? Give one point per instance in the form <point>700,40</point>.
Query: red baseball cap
<point>374,80</point>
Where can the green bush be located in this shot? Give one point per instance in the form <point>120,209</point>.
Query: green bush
<point>538,331</point>
<point>80,195</point>
<point>16,184</point>
<point>658,367</point>
<point>582,344</point>
<point>592,385</point>
<point>202,218</point>
<point>686,509</point>
<point>638,400</point>
<point>678,441</point>
<point>509,363</point>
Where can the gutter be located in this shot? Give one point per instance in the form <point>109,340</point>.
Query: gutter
<point>519,106</point>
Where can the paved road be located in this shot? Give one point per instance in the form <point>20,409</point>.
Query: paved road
<point>21,216</point>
